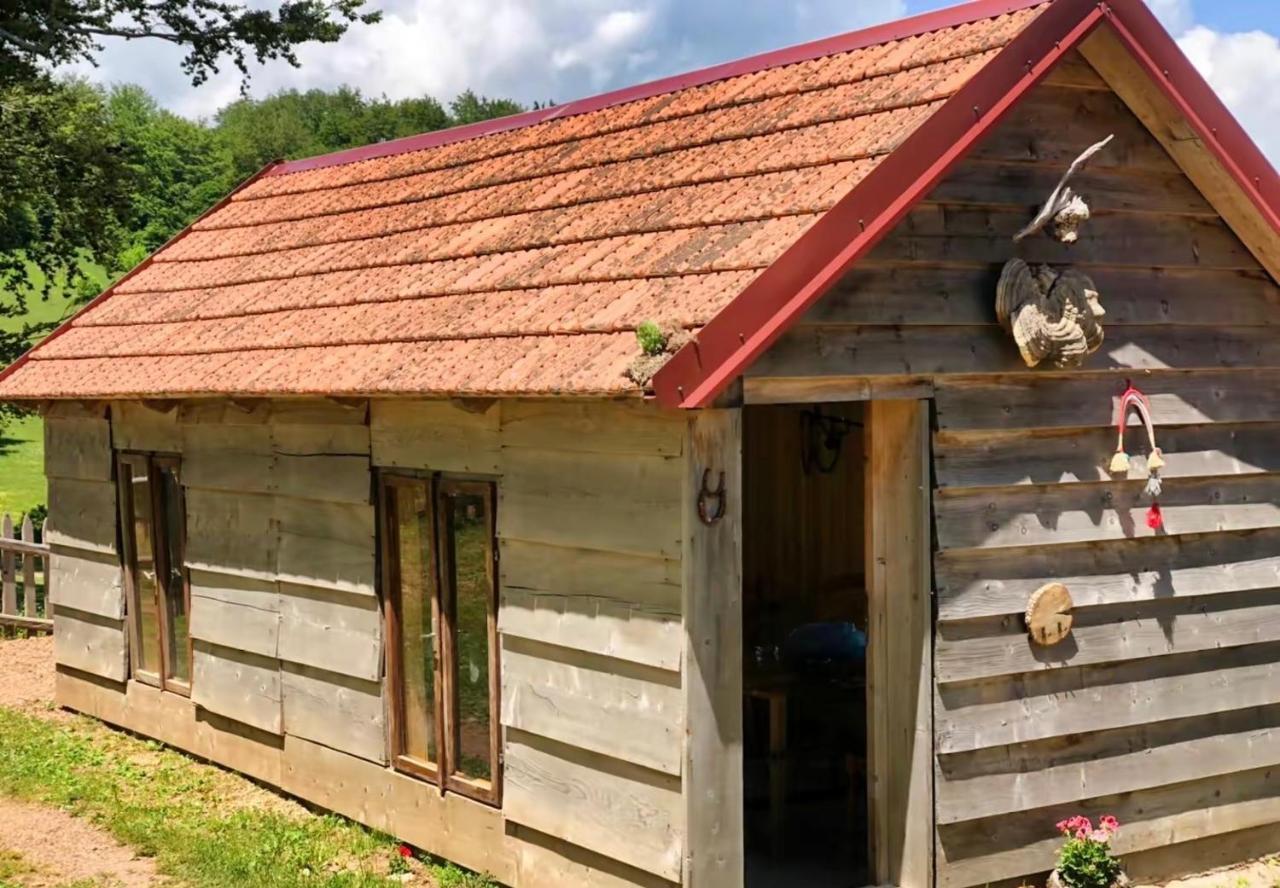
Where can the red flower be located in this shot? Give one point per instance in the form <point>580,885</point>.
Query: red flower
<point>1108,823</point>
<point>405,851</point>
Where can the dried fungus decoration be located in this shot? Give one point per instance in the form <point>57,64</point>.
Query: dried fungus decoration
<point>658,342</point>
<point>1054,315</point>
<point>1133,399</point>
<point>1048,614</point>
<point>1064,208</point>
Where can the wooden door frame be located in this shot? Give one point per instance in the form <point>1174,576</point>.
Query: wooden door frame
<point>899,555</point>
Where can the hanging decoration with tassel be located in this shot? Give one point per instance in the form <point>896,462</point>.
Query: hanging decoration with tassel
<point>1136,400</point>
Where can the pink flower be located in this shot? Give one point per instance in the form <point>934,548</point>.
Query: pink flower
<point>1109,823</point>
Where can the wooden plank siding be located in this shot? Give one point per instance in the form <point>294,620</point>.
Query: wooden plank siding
<point>1162,706</point>
<point>287,622</point>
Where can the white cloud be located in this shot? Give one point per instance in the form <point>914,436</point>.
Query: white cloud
<point>530,50</point>
<point>1175,15</point>
<point>1244,69</point>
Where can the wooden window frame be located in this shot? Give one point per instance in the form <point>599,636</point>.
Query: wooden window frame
<point>438,487</point>
<point>154,462</point>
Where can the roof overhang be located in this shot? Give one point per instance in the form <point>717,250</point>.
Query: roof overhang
<point>1131,44</point>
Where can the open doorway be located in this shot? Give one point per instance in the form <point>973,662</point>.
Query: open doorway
<point>836,645</point>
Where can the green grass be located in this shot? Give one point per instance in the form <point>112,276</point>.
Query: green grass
<point>167,806</point>
<point>22,483</point>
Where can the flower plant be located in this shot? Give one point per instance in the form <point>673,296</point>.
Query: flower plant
<point>1085,860</point>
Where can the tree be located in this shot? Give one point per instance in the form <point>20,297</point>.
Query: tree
<point>471,108</point>
<point>35,34</point>
<point>68,175</point>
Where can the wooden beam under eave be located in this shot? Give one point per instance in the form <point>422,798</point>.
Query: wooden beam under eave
<point>714,845</point>
<point>1152,106</point>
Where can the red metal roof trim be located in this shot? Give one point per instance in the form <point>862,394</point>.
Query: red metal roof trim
<point>965,13</point>
<point>773,301</point>
<point>66,325</point>
<point>779,296</point>
<point>1166,64</point>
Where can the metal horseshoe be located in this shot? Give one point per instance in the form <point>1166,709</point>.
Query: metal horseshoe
<point>706,493</point>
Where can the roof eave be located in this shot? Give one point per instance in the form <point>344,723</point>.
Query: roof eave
<point>775,300</point>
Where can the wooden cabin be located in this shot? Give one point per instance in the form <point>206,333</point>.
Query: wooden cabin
<point>358,489</point>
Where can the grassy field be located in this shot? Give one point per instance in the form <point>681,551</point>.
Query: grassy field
<point>22,482</point>
<point>205,828</point>
<point>22,442</point>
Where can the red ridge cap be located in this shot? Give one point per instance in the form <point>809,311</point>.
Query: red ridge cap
<point>771,303</point>
<point>6,372</point>
<point>952,16</point>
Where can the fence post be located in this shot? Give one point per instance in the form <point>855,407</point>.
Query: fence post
<point>9,597</point>
<point>29,570</point>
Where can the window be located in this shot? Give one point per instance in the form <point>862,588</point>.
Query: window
<point>439,580</point>
<point>153,534</point>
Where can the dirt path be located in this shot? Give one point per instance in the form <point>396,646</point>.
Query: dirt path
<point>26,674</point>
<point>56,848</point>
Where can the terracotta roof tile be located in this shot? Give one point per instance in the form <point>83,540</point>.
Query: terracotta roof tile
<point>515,262</point>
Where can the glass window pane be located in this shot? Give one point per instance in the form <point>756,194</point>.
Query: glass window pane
<point>470,561</point>
<point>412,514</point>
<point>137,489</point>
<point>175,593</point>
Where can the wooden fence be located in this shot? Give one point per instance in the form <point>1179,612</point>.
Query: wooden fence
<point>24,584</point>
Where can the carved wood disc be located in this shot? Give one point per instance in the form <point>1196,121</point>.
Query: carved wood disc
<point>1049,614</point>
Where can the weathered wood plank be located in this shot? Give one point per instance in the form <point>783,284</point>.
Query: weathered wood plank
<point>467,832</point>
<point>629,426</point>
<point>617,809</point>
<point>990,582</point>
<point>1063,702</point>
<point>77,448</point>
<point>337,631</point>
<point>1073,401</point>
<point>713,809</point>
<point>90,643</point>
<point>919,293</point>
<point>235,611</point>
<point>999,458</point>
<point>937,233</point>
<point>324,544</point>
<point>242,686</point>
<point>84,515</point>
<point>606,603</point>
<point>1073,72</point>
<point>900,736</point>
<point>29,571</point>
<point>995,646</point>
<point>614,502</point>
<point>138,426</point>
<point>839,350</point>
<point>547,862</point>
<point>626,712</point>
<point>981,851</point>
<point>1053,125</point>
<point>445,436</point>
<point>1027,776</point>
<point>8,576</point>
<point>342,479</point>
<point>86,581</point>
<point>1002,184</point>
<point>339,711</point>
<point>834,388</point>
<point>228,457</point>
<point>231,533</point>
<point>1071,513</point>
<point>1171,129</point>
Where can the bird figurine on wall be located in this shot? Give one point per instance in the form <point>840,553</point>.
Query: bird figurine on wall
<point>1053,314</point>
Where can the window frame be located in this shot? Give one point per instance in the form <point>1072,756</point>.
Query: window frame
<point>153,462</point>
<point>442,773</point>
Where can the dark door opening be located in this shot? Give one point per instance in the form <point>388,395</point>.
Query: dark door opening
<point>805,619</point>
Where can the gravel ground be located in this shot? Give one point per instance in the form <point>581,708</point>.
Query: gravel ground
<point>26,674</point>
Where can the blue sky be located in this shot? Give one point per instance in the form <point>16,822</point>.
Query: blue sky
<point>563,49</point>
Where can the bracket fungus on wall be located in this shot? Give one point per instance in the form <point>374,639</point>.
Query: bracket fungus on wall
<point>1053,314</point>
